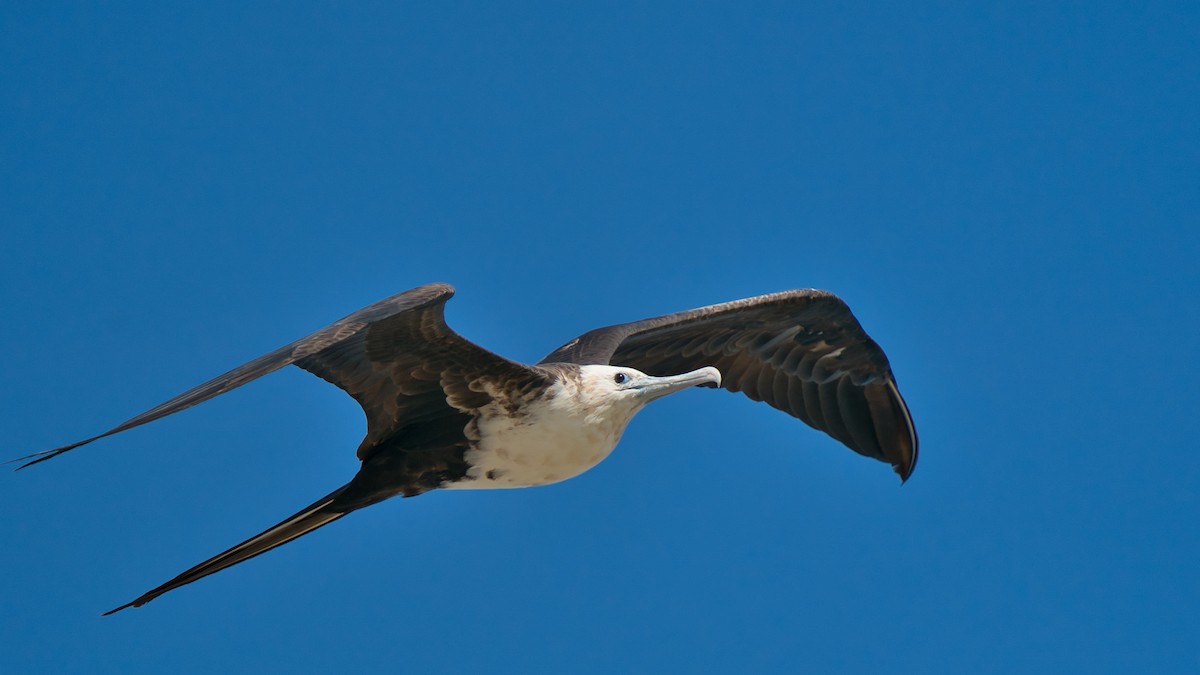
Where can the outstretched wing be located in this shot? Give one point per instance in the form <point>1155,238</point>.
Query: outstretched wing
<point>800,351</point>
<point>393,357</point>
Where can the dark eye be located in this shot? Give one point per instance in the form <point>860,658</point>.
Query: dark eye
<point>620,378</point>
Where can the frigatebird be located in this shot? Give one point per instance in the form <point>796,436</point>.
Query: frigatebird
<point>445,413</point>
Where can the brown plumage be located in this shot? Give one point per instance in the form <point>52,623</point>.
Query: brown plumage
<point>801,351</point>
<point>425,389</point>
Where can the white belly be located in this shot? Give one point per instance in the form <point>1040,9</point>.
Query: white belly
<point>548,445</point>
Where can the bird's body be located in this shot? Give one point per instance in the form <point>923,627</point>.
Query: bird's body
<point>568,428</point>
<point>443,412</point>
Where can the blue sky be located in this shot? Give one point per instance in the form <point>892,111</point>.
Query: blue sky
<point>1006,196</point>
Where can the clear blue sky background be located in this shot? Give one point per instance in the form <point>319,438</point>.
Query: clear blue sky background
<point>1007,197</point>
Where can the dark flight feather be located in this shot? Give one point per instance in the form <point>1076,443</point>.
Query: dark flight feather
<point>391,356</point>
<point>802,352</point>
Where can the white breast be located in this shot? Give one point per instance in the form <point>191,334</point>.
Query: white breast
<point>552,439</point>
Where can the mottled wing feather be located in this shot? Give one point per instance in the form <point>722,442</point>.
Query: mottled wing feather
<point>802,352</point>
<point>390,356</point>
<point>406,371</point>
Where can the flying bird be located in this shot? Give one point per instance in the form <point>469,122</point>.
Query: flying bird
<point>445,413</point>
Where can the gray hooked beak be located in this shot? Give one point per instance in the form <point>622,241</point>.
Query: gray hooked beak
<point>651,387</point>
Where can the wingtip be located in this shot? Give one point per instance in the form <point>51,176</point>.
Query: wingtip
<point>134,603</point>
<point>907,463</point>
<point>909,444</point>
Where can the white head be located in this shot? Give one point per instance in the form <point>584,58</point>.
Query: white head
<point>614,388</point>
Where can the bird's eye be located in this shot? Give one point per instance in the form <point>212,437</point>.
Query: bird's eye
<point>620,378</point>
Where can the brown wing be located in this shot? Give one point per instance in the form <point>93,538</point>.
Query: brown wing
<point>390,356</point>
<point>801,351</point>
<point>416,378</point>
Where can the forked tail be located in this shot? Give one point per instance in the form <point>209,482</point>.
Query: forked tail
<point>322,512</point>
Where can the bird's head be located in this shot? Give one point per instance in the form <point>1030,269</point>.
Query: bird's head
<point>630,388</point>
